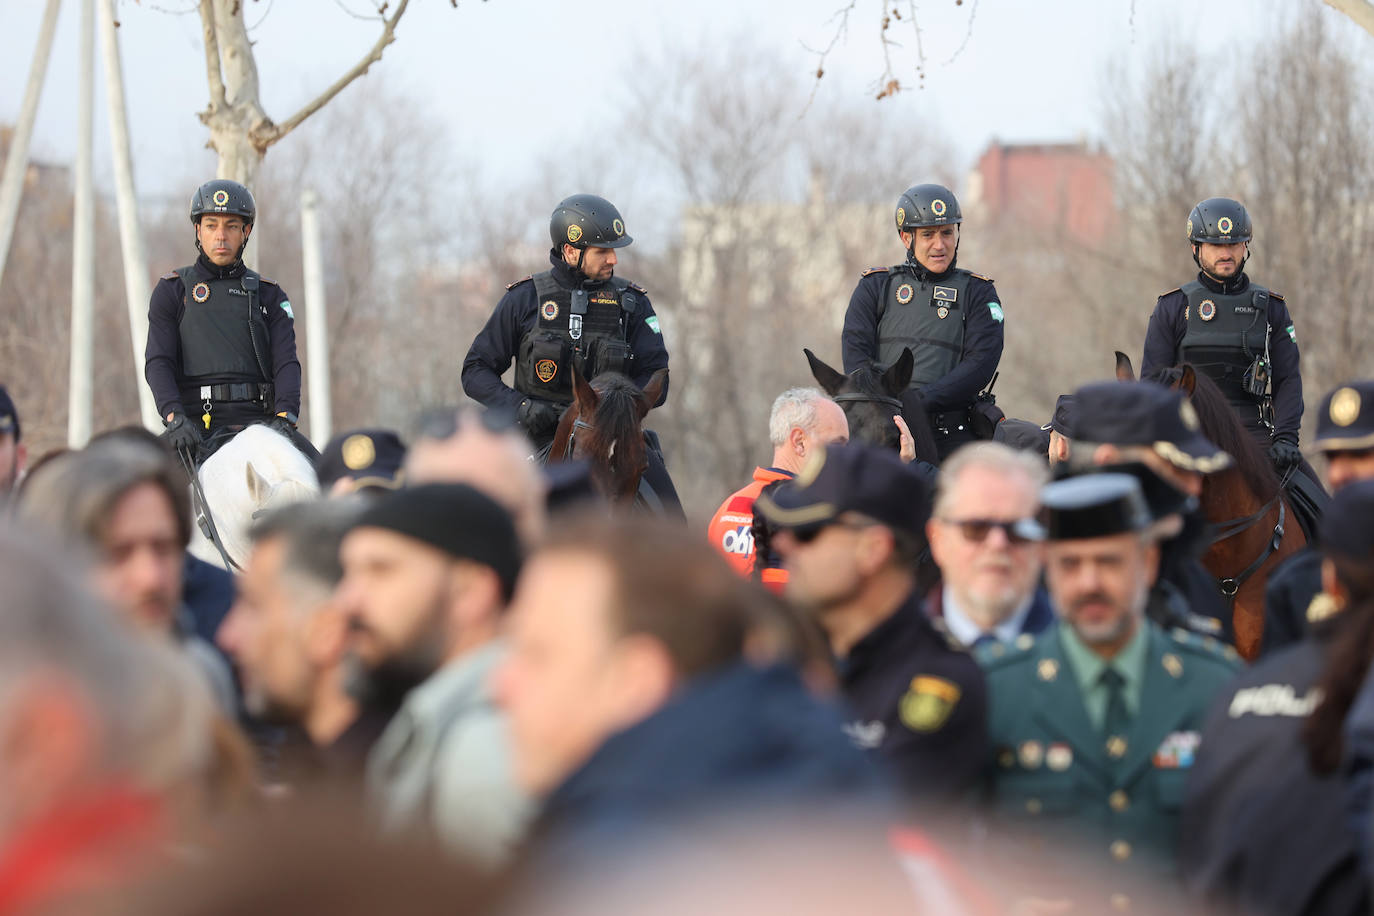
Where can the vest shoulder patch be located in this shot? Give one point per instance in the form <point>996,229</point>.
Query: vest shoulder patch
<point>518,282</point>
<point>1275,294</point>
<point>980,277</point>
<point>874,270</point>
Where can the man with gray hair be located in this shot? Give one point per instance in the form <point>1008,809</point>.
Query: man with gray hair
<point>801,421</point>
<point>982,537</point>
<point>288,636</point>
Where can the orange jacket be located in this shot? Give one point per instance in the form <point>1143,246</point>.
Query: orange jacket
<point>729,530</point>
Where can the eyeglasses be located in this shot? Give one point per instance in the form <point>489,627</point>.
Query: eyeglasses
<point>976,530</point>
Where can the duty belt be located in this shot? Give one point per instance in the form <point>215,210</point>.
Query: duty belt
<point>951,419</point>
<point>236,391</point>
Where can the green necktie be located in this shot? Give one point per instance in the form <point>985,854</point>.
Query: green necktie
<point>1117,719</point>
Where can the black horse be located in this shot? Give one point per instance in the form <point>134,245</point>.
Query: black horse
<point>872,395</point>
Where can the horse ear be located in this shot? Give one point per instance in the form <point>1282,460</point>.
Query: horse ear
<point>829,378</point>
<point>1125,372</point>
<point>1188,380</point>
<point>584,394</point>
<point>898,376</point>
<point>258,487</point>
<point>653,391</point>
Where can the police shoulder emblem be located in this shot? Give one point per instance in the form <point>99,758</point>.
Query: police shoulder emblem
<point>545,370</point>
<point>200,292</point>
<point>1207,310</point>
<point>220,197</point>
<point>358,452</point>
<point>574,233</point>
<point>938,207</point>
<point>927,705</point>
<point>549,310</point>
<point>1345,407</point>
<point>1224,225</point>
<point>1190,228</point>
<point>901,217</point>
<point>904,293</point>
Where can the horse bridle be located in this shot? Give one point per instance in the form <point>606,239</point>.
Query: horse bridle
<point>572,436</point>
<point>1230,586</point>
<point>201,507</point>
<point>858,397</point>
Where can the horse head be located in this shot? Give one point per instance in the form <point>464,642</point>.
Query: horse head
<point>603,426</point>
<point>871,396</point>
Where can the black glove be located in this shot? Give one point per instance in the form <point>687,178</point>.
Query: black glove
<point>282,425</point>
<point>539,417</point>
<point>1285,453</point>
<point>181,434</point>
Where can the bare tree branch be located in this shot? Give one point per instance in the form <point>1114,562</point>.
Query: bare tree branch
<point>212,71</point>
<point>275,133</point>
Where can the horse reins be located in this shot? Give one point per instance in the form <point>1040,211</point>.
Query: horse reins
<point>1230,586</point>
<point>201,506</point>
<point>858,397</point>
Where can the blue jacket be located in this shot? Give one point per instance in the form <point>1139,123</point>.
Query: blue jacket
<point>739,738</point>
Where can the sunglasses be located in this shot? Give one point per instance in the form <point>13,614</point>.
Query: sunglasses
<point>808,533</point>
<point>443,422</point>
<point>976,530</point>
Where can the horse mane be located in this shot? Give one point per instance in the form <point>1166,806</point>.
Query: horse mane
<point>1221,425</point>
<point>615,440</point>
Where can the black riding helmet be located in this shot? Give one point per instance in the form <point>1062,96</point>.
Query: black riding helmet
<point>587,221</point>
<point>924,205</point>
<point>1219,221</point>
<point>223,196</point>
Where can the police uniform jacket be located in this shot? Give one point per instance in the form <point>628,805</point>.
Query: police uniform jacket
<point>982,344</point>
<point>1168,324</point>
<point>498,343</point>
<point>163,367</point>
<point>1287,597</point>
<point>1054,775</point>
<point>918,701</point>
<point>1262,834</point>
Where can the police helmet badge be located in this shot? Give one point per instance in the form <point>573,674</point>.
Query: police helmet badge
<point>358,452</point>
<point>1207,310</point>
<point>927,705</point>
<point>938,207</point>
<point>901,217</point>
<point>220,197</point>
<point>200,292</point>
<point>1345,407</point>
<point>545,370</point>
<point>1225,225</point>
<point>1190,228</point>
<point>904,293</point>
<point>943,311</point>
<point>619,227</point>
<point>549,310</point>
<point>1188,414</point>
<point>574,233</point>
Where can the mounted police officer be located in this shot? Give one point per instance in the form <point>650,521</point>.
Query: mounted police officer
<point>577,313</point>
<point>221,350</point>
<point>951,319</point>
<point>1236,331</point>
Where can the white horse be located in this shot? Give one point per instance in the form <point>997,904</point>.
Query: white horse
<point>256,471</point>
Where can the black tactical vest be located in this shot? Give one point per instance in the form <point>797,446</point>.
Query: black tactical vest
<point>926,316</point>
<point>581,327</point>
<point>1225,332</point>
<point>223,330</point>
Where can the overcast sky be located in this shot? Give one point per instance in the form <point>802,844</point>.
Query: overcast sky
<point>492,70</point>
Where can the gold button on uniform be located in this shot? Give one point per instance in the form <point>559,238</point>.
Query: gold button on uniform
<point>1116,747</point>
<point>1121,903</point>
<point>1119,801</point>
<point>1121,850</point>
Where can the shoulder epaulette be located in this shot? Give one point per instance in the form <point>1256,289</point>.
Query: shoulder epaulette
<point>939,624</point>
<point>998,654</point>
<point>1176,289</point>
<point>1273,294</point>
<point>518,282</point>
<point>1205,646</point>
<point>263,279</point>
<point>639,289</point>
<point>874,270</point>
<point>169,275</point>
<point>980,277</point>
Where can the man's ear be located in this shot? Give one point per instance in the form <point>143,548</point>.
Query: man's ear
<point>874,548</point>
<point>643,679</point>
<point>21,457</point>
<point>1152,563</point>
<point>247,230</point>
<point>1106,453</point>
<point>796,440</point>
<point>326,636</point>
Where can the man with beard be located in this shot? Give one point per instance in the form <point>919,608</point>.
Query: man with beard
<point>1094,725</point>
<point>14,454</point>
<point>428,573</point>
<point>851,532</point>
<point>287,634</point>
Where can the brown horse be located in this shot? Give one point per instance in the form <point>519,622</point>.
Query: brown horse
<point>1253,528</point>
<point>603,426</point>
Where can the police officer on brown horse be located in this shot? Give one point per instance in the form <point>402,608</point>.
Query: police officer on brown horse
<point>576,313</point>
<point>951,319</point>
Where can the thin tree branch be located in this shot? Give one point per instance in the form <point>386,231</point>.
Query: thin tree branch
<point>212,71</point>
<point>275,133</point>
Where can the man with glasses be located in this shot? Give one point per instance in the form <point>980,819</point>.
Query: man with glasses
<point>983,537</point>
<point>851,535</point>
<point>1094,726</point>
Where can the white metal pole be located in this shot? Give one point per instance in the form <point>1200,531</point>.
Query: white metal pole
<point>136,286</point>
<point>83,243</point>
<point>17,163</point>
<point>316,322</point>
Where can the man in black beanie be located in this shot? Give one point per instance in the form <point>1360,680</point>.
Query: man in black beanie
<point>428,572</point>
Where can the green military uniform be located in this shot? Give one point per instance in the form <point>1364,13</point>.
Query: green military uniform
<point>1058,774</point>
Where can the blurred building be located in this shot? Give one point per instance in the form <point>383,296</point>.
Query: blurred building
<point>1060,188</point>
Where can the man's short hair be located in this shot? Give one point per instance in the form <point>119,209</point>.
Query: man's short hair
<point>795,407</point>
<point>669,584</point>
<point>75,494</point>
<point>992,456</point>
<point>311,534</point>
